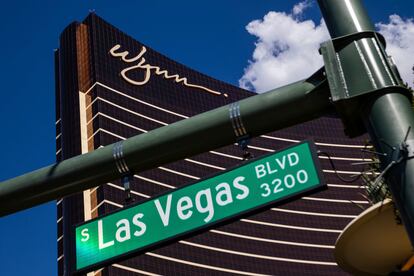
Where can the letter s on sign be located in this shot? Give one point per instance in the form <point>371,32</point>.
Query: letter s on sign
<point>136,221</point>
<point>85,235</point>
<point>239,186</point>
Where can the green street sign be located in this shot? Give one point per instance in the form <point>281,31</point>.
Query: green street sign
<point>224,197</point>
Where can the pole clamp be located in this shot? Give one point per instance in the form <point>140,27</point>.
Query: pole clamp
<point>121,165</point>
<point>118,154</point>
<point>359,70</point>
<point>242,137</point>
<point>236,120</point>
<point>407,148</point>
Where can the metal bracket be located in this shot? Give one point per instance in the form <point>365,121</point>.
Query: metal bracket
<point>351,78</point>
<point>126,183</point>
<point>398,154</point>
<point>404,151</point>
<point>121,165</point>
<point>335,57</point>
<point>407,148</point>
<point>236,120</point>
<point>240,132</point>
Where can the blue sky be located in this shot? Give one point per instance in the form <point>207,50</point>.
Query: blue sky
<point>209,36</point>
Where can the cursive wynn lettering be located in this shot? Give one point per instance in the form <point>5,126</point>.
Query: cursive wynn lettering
<point>140,64</point>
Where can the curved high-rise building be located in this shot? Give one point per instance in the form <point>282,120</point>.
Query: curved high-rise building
<point>110,87</point>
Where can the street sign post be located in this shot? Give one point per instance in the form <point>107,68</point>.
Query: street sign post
<point>242,190</point>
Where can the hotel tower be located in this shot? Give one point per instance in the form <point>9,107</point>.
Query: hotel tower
<point>110,86</point>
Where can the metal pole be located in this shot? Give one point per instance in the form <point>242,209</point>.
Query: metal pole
<point>372,86</point>
<point>282,107</point>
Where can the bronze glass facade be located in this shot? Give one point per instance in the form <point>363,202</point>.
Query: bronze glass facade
<point>98,105</point>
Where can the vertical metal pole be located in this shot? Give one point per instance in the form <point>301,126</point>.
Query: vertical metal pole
<point>388,117</point>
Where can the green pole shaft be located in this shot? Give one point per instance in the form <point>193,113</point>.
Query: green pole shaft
<point>283,107</point>
<point>344,17</point>
<point>387,116</point>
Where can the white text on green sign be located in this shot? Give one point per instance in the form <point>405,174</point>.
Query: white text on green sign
<point>193,207</point>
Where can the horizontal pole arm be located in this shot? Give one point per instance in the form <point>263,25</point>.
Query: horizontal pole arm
<point>282,107</point>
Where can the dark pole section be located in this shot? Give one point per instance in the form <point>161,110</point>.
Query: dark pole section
<point>388,116</point>
<point>344,17</point>
<point>282,107</point>
<point>390,121</point>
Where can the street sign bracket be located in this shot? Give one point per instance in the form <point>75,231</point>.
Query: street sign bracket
<point>350,100</point>
<point>242,135</point>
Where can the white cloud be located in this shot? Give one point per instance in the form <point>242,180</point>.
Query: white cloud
<point>299,8</point>
<point>399,34</point>
<point>287,48</point>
